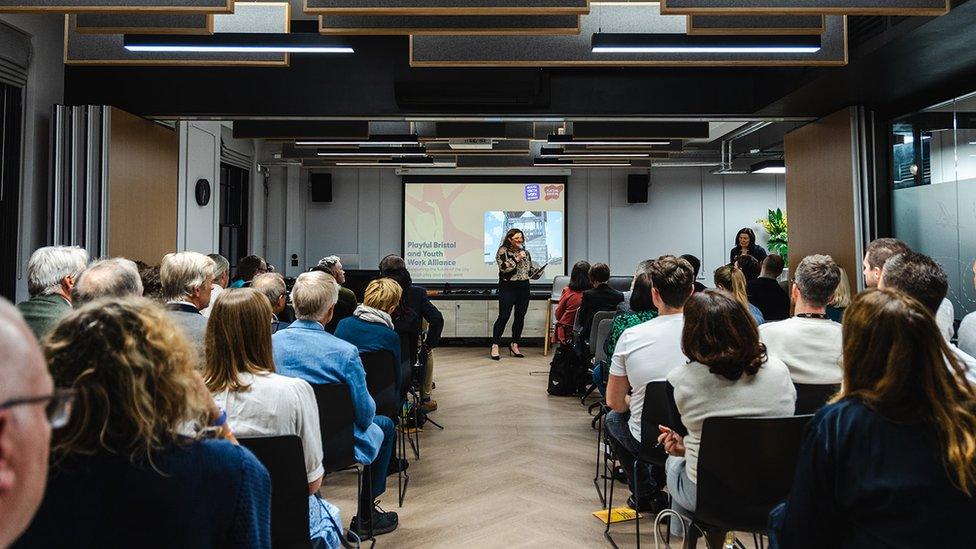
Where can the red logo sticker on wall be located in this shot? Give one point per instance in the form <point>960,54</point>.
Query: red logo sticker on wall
<point>553,192</point>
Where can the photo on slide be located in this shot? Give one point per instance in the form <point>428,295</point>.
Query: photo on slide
<point>543,232</point>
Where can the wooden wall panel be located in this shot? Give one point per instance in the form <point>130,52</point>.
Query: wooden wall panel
<point>143,166</point>
<point>820,167</point>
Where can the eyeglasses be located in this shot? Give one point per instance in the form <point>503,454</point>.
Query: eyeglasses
<point>57,406</point>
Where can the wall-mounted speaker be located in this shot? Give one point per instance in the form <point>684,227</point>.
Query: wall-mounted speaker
<point>321,185</point>
<point>637,185</point>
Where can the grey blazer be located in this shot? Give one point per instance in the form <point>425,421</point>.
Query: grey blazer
<point>193,324</point>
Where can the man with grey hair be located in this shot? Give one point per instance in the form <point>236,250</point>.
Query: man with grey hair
<point>220,281</point>
<point>116,277</point>
<point>187,280</point>
<point>305,350</point>
<point>51,274</point>
<point>809,343</point>
<point>272,285</point>
<point>623,308</point>
<point>26,391</point>
<point>347,298</point>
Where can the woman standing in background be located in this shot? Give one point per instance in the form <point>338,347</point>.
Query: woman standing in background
<point>514,271</point>
<point>745,244</point>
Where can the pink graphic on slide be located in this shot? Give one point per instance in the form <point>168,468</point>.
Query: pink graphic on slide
<point>439,205</point>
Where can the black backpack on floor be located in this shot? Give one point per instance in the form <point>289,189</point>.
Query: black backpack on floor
<point>566,372</point>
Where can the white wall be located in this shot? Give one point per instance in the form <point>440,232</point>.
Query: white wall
<point>197,227</point>
<point>45,88</point>
<point>689,211</point>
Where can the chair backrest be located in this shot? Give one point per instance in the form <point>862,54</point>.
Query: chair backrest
<point>811,398</point>
<point>381,381</point>
<point>603,330</point>
<point>284,459</point>
<point>337,421</point>
<point>745,468</point>
<point>558,284</point>
<point>620,283</point>
<point>656,411</point>
<point>595,327</point>
<point>408,357</point>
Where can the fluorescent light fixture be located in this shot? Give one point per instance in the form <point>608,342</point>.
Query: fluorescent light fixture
<point>604,42</point>
<point>596,163</point>
<point>374,151</point>
<point>769,166</point>
<point>236,42</point>
<point>556,152</point>
<point>379,140</point>
<point>557,139</point>
<point>423,163</point>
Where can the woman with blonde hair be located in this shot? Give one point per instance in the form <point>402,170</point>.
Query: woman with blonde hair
<point>733,282</point>
<point>240,372</point>
<point>841,300</point>
<point>134,465</point>
<point>370,328</point>
<point>892,460</point>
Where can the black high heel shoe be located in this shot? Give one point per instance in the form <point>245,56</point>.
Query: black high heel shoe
<point>495,357</point>
<point>513,353</point>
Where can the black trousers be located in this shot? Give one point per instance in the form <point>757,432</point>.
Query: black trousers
<point>511,294</point>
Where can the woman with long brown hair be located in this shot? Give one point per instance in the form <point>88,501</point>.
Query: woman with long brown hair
<point>891,462</point>
<point>514,272</point>
<point>136,464</point>
<point>733,282</point>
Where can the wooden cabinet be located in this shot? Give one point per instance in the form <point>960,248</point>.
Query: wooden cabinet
<point>535,319</point>
<point>449,310</point>
<point>473,318</point>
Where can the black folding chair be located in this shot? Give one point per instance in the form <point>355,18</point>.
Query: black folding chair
<point>382,380</point>
<point>620,283</point>
<point>598,421</point>
<point>811,398</point>
<point>410,379</point>
<point>337,422</point>
<point>738,494</point>
<point>285,460</point>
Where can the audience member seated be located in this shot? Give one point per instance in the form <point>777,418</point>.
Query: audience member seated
<point>305,350</point>
<point>333,266</point>
<point>642,309</point>
<point>748,266</point>
<point>221,280</point>
<point>152,287</point>
<point>729,375</point>
<point>875,257</point>
<point>696,265</point>
<point>187,279</point>
<point>891,463</point>
<point>51,274</point>
<point>841,299</point>
<point>240,373</point>
<point>344,306</point>
<point>809,343</point>
<point>29,409</point>
<point>732,281</point>
<point>370,328</point>
<point>645,353</point>
<point>416,308</point>
<point>570,301</point>
<point>247,268</point>
<point>132,466</point>
<point>642,267</point>
<point>117,277</point>
<point>745,244</point>
<point>272,285</point>
<point>601,297</point>
<point>765,292</point>
<point>924,279</point>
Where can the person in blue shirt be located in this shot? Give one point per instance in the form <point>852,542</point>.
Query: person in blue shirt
<point>124,472</point>
<point>891,461</point>
<point>370,328</point>
<point>305,350</point>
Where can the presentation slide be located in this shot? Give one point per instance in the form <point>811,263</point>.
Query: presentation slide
<point>452,230</point>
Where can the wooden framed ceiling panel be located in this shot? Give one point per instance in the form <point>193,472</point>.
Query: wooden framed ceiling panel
<point>502,147</point>
<point>446,7</point>
<point>756,24</point>
<point>796,7</point>
<point>449,24</point>
<point>144,23</point>
<point>110,6</point>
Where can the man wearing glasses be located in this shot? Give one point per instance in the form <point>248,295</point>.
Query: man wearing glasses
<point>29,408</point>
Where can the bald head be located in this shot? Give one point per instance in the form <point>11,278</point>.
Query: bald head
<point>25,434</point>
<point>117,277</point>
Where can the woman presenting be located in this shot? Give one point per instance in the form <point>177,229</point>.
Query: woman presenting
<point>745,244</point>
<point>514,271</point>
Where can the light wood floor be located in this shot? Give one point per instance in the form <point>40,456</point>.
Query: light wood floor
<point>513,467</point>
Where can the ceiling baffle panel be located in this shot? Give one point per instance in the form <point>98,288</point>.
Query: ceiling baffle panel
<point>844,7</point>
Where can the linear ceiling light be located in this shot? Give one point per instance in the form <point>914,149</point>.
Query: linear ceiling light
<point>568,140</point>
<point>769,166</point>
<point>374,151</point>
<point>382,140</point>
<point>604,42</point>
<point>553,162</point>
<point>558,152</point>
<point>236,42</point>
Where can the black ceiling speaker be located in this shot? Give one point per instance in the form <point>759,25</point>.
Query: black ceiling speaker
<point>321,185</point>
<point>637,186</point>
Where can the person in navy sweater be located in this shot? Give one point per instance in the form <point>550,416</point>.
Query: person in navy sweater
<point>370,328</point>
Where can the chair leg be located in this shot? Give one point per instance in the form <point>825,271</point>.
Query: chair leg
<point>600,456</point>
<point>636,512</point>
<point>606,531</point>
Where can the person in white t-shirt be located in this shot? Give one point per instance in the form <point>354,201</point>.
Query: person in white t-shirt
<point>922,278</point>
<point>240,373</point>
<point>645,353</point>
<point>809,343</point>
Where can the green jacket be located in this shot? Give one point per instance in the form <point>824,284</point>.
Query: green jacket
<point>42,312</point>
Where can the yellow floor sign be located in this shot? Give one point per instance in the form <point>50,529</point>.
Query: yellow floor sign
<point>620,514</point>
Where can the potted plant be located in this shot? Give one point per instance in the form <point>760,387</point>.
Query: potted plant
<point>775,224</point>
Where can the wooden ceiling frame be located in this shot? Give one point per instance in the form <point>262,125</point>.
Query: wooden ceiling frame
<point>148,30</point>
<point>667,9</point>
<point>228,7</point>
<point>449,10</point>
<point>692,29</point>
<point>387,31</point>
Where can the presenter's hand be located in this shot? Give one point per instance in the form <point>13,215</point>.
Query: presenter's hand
<point>519,256</point>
